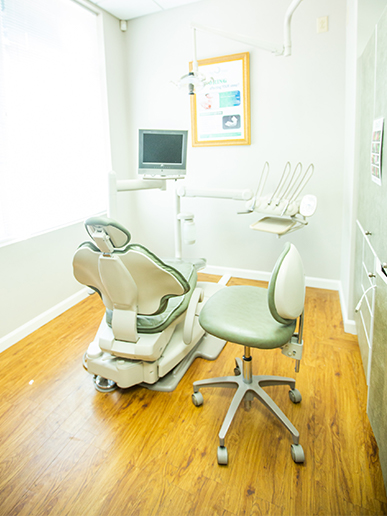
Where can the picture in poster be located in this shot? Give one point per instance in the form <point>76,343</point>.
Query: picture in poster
<point>376,151</point>
<point>221,110</point>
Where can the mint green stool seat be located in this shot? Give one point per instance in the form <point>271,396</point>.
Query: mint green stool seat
<point>232,316</point>
<point>258,318</point>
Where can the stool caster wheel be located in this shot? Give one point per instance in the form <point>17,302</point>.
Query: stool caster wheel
<point>222,456</point>
<point>297,453</point>
<point>197,399</point>
<point>295,396</point>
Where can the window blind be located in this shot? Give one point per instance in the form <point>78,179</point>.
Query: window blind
<point>54,150</point>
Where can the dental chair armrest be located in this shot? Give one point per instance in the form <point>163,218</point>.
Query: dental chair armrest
<point>196,298</point>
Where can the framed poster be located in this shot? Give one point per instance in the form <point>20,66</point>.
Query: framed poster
<point>220,112</point>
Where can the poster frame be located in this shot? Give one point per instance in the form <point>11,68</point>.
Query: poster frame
<point>243,82</point>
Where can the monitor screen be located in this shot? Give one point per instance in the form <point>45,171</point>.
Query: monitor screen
<point>162,152</point>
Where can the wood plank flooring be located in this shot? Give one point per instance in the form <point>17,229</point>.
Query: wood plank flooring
<point>66,449</point>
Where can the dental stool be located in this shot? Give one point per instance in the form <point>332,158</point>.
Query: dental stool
<point>259,318</point>
<point>150,333</point>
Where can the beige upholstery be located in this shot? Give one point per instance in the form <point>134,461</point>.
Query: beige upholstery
<point>132,281</point>
<point>150,334</point>
<point>127,278</point>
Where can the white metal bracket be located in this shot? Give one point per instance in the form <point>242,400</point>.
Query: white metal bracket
<point>293,349</point>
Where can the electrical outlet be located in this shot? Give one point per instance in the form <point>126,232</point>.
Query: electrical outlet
<point>322,24</point>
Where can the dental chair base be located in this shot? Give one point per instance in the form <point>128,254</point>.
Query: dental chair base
<point>161,359</point>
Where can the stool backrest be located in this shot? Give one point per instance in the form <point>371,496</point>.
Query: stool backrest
<point>286,294</point>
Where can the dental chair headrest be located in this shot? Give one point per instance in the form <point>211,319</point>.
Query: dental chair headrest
<point>107,233</point>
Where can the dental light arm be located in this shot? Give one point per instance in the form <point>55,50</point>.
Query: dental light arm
<point>287,49</point>
<point>278,50</point>
<point>196,80</point>
<point>263,45</point>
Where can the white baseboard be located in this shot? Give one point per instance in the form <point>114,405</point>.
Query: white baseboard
<point>265,276</point>
<point>237,273</point>
<point>349,324</point>
<point>23,331</point>
<point>226,272</point>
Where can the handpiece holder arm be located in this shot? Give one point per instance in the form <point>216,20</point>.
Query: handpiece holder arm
<point>184,191</point>
<point>128,185</point>
<point>236,195</point>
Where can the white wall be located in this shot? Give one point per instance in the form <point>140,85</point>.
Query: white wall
<point>297,114</point>
<point>37,281</point>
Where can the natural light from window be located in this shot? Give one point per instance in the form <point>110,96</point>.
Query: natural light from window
<point>54,152</point>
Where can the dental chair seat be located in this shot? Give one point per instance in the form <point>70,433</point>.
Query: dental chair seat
<point>150,333</point>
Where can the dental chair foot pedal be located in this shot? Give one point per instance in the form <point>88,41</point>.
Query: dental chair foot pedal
<point>104,384</point>
<point>208,348</point>
<point>170,381</point>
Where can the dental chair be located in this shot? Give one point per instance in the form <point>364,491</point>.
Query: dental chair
<point>150,332</point>
<point>265,319</point>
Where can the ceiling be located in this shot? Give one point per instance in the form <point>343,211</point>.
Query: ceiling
<point>128,9</point>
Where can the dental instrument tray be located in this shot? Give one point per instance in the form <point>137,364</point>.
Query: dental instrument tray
<point>284,210</point>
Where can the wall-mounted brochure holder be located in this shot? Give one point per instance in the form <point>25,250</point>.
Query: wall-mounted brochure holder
<point>376,151</point>
<point>285,211</point>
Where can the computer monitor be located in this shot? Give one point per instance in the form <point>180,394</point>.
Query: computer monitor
<point>162,153</point>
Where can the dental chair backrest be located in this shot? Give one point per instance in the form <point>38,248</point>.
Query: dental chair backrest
<point>129,278</point>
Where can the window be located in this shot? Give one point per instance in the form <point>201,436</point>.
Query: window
<point>54,151</point>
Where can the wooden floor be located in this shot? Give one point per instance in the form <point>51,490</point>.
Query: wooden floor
<point>67,449</point>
